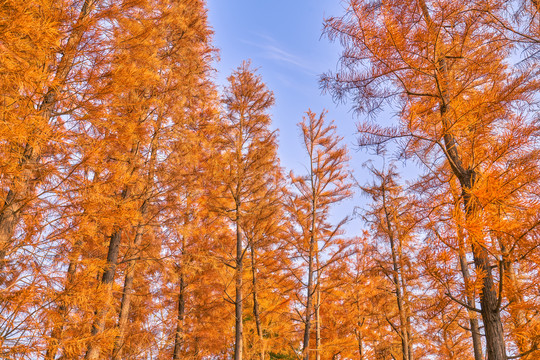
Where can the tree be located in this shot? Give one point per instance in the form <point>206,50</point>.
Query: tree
<point>32,97</point>
<point>445,68</point>
<point>393,221</point>
<point>40,48</point>
<point>325,184</point>
<point>251,172</point>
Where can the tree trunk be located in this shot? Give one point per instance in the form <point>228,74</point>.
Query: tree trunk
<point>317,306</point>
<point>405,297</point>
<point>256,311</point>
<point>475,329</point>
<point>358,333</point>
<point>313,251</point>
<point>464,267</point>
<point>179,332</point>
<point>125,304</point>
<point>127,294</point>
<point>515,298</point>
<point>396,275</point>
<point>307,320</point>
<point>318,322</point>
<point>239,331</point>
<point>489,300</point>
<point>107,279</point>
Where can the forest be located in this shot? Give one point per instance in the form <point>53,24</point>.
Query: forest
<point>145,213</point>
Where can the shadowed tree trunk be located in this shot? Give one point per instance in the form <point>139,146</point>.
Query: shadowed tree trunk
<point>397,275</point>
<point>107,280</point>
<point>317,309</point>
<point>179,332</point>
<point>127,294</point>
<point>475,328</point>
<point>309,294</point>
<point>517,315</point>
<point>256,309</point>
<point>239,329</point>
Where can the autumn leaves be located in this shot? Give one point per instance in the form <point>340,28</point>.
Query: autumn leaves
<point>463,99</point>
<point>145,213</point>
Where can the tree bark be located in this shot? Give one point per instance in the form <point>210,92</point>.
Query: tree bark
<point>307,320</point>
<point>317,306</point>
<point>475,328</point>
<point>125,304</point>
<point>313,251</point>
<point>318,323</point>
<point>515,298</point>
<point>359,339</point>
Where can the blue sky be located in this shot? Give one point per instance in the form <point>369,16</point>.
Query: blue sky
<point>283,40</point>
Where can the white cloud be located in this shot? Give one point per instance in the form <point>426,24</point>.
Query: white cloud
<point>272,50</point>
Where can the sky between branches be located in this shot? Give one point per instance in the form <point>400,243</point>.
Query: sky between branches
<point>283,39</point>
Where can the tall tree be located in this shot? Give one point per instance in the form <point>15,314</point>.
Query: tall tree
<point>35,89</point>
<point>325,184</point>
<point>393,220</point>
<point>445,68</point>
<point>42,81</point>
<point>251,171</point>
<point>126,118</point>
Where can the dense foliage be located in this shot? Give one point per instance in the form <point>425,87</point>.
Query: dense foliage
<point>145,214</point>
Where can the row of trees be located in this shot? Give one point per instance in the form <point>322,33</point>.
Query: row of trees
<point>140,206</point>
<point>145,214</point>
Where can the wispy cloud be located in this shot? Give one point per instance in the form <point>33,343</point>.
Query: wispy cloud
<point>272,50</point>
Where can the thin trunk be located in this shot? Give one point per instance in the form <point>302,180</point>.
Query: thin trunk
<point>473,320</point>
<point>307,321</point>
<point>490,306</point>
<point>313,250</point>
<point>256,312</point>
<point>405,297</point>
<point>515,298</point>
<point>127,294</point>
<point>396,274</point>
<point>469,296</point>
<point>318,323</point>
<point>317,306</point>
<point>238,344</point>
<point>358,333</point>
<point>179,332</point>
<point>125,304</point>
<point>475,328</point>
<point>107,280</point>
<point>24,185</point>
